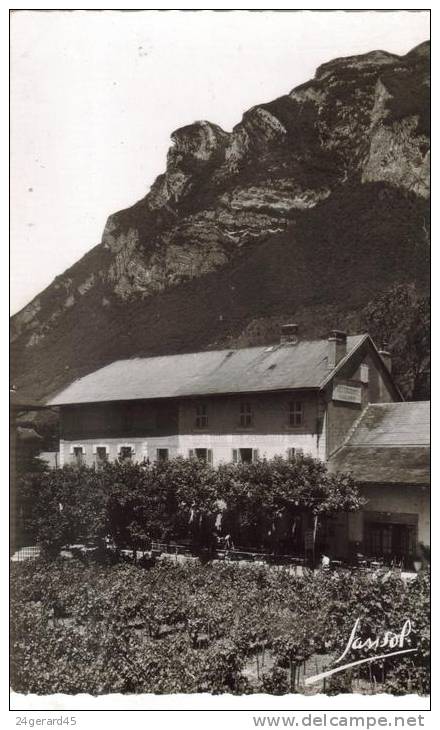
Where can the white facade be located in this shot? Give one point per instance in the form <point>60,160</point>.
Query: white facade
<point>222,446</point>
<point>277,424</point>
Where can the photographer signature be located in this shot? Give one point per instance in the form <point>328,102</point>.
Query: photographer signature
<point>394,641</point>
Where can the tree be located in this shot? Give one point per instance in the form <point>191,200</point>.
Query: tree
<point>182,499</point>
<point>400,317</point>
<point>266,499</point>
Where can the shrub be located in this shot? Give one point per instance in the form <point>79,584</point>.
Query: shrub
<point>276,682</point>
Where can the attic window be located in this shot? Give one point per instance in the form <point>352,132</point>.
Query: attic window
<point>201,415</point>
<point>296,413</point>
<point>246,416</point>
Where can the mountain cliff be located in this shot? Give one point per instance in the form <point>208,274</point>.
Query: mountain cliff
<point>315,205</point>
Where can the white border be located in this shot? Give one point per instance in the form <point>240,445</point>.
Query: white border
<point>197,705</point>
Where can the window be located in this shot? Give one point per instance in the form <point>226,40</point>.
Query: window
<point>101,454</point>
<point>390,540</point>
<point>201,455</point>
<point>125,452</point>
<point>364,373</point>
<point>201,415</point>
<point>296,413</point>
<point>294,453</point>
<point>246,416</point>
<point>244,456</point>
<point>162,454</point>
<point>78,455</point>
<point>378,539</point>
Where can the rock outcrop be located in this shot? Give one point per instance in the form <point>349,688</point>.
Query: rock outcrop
<point>228,202</point>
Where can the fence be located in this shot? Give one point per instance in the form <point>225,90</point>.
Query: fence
<point>26,553</point>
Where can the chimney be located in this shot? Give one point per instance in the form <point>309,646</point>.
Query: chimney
<point>385,354</point>
<point>289,334</point>
<point>337,347</point>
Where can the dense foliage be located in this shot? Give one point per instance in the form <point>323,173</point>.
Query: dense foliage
<point>401,318</point>
<point>258,504</point>
<point>190,628</point>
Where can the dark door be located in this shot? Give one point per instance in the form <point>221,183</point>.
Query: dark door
<point>246,456</point>
<point>390,541</point>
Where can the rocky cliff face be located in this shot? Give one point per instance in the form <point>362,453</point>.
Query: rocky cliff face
<point>328,183</point>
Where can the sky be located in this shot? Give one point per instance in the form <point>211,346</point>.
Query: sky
<point>95,97</point>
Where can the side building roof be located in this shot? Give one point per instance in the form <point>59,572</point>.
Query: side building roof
<point>389,444</point>
<point>213,372</point>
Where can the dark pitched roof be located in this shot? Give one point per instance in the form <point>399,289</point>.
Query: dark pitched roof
<point>252,369</point>
<point>383,465</point>
<point>388,444</point>
<point>392,424</point>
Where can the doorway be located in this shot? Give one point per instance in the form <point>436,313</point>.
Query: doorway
<point>393,541</point>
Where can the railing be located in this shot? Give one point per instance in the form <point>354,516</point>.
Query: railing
<point>26,553</point>
<point>237,554</point>
<point>221,553</point>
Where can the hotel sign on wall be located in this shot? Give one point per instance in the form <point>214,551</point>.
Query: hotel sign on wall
<point>347,393</point>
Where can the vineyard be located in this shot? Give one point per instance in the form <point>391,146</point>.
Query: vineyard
<point>85,627</point>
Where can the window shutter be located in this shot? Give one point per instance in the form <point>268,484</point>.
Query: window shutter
<point>254,454</point>
<point>234,456</point>
<point>209,456</point>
